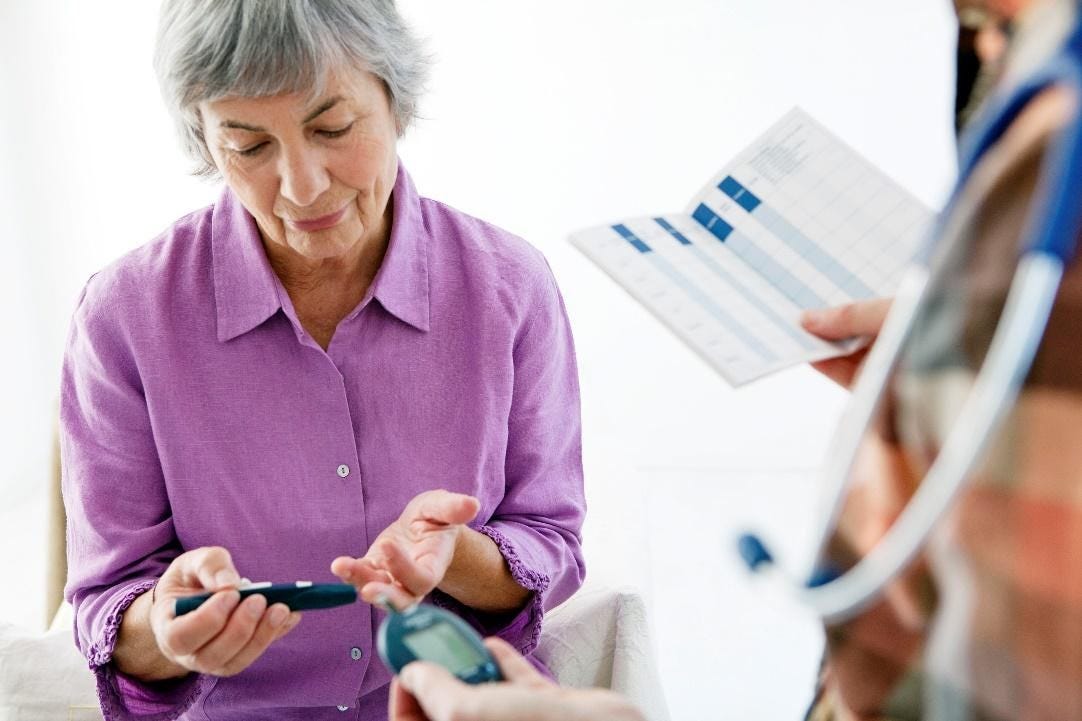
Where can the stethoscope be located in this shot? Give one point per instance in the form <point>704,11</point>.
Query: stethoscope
<point>1051,231</point>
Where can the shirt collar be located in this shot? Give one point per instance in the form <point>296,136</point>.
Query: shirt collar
<point>401,285</point>
<point>246,290</point>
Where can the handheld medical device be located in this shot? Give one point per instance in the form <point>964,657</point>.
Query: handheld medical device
<point>427,633</point>
<point>299,596</point>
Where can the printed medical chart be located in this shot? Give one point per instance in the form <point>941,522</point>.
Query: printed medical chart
<point>797,220</point>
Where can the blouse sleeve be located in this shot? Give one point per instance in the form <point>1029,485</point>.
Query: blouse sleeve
<point>537,524</point>
<point>120,535</point>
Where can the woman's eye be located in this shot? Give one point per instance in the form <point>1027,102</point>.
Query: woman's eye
<point>248,152</point>
<point>335,133</point>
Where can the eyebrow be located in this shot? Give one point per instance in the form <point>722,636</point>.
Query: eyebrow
<point>324,107</point>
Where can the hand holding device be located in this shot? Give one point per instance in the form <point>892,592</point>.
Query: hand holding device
<point>221,637</point>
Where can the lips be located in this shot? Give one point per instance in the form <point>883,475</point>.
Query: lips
<point>310,225</point>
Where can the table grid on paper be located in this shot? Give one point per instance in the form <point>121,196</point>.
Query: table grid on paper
<point>798,220</point>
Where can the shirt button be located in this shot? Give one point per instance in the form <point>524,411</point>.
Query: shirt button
<point>356,653</point>
<point>343,708</point>
<point>343,470</point>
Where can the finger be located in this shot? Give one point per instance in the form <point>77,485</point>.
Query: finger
<point>213,656</point>
<point>840,370</point>
<point>439,694</point>
<point>359,571</point>
<point>212,567</point>
<point>416,575</point>
<point>514,666</point>
<point>864,318</point>
<point>442,697</point>
<point>183,635</point>
<point>403,706</point>
<point>273,624</point>
<point>446,507</point>
<point>399,598</point>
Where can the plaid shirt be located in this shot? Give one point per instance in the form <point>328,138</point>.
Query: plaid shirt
<point>987,623</point>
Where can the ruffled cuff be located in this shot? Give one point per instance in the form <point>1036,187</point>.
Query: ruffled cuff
<point>521,629</point>
<point>124,698</point>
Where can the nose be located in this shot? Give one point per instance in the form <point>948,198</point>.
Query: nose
<point>303,176</point>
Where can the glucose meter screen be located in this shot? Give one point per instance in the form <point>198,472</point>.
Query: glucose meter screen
<point>442,644</point>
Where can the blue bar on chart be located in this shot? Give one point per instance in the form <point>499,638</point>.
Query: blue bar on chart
<point>630,237</point>
<point>710,220</point>
<point>791,236</point>
<point>789,285</point>
<point>743,197</point>
<point>672,231</point>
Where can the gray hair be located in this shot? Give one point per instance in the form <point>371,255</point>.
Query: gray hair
<point>211,49</point>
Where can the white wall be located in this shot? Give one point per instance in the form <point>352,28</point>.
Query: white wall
<point>542,118</point>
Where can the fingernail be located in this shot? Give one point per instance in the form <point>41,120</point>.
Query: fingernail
<point>278,615</point>
<point>405,677</point>
<point>226,578</point>
<point>812,317</point>
<point>255,606</point>
<point>228,599</point>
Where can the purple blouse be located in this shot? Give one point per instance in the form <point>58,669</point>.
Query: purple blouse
<point>196,411</point>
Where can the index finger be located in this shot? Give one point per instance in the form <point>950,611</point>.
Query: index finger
<point>863,318</point>
<point>211,567</point>
<point>447,507</point>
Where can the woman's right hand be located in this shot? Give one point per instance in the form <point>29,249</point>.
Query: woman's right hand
<point>221,638</point>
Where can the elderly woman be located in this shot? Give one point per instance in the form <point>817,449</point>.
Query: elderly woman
<point>322,367</point>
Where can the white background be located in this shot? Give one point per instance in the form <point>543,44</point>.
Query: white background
<point>542,118</point>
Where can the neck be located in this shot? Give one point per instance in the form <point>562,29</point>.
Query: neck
<point>325,290</point>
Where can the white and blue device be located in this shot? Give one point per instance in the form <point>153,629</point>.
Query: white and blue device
<point>427,633</point>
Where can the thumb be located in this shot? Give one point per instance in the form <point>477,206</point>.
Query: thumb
<point>433,687</point>
<point>513,665</point>
<point>447,507</point>
<point>864,318</point>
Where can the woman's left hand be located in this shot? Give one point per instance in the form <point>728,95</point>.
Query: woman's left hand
<point>410,557</point>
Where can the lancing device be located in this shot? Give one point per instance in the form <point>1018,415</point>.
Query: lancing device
<point>427,633</point>
<point>299,596</point>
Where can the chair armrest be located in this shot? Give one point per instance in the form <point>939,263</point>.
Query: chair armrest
<point>600,638</point>
<point>43,677</point>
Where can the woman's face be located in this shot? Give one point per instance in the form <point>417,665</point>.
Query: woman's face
<point>315,174</point>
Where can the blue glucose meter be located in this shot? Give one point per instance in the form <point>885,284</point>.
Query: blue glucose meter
<point>427,633</point>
